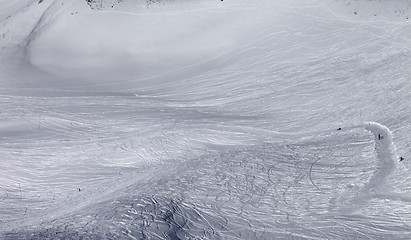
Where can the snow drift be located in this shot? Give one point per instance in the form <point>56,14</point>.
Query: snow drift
<point>204,119</point>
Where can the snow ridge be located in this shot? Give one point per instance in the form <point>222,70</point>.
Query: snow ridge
<point>386,157</point>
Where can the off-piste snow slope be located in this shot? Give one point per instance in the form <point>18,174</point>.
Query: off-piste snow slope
<point>205,119</point>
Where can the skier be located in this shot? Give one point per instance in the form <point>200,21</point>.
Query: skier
<point>379,137</point>
<point>401,158</point>
<point>339,129</point>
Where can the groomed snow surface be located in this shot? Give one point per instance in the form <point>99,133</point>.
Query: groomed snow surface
<point>205,119</point>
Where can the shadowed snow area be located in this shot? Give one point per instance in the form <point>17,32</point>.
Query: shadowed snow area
<point>205,119</point>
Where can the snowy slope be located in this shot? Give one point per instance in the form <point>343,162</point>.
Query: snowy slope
<point>205,119</point>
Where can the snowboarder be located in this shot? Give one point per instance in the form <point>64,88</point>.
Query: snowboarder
<point>401,158</point>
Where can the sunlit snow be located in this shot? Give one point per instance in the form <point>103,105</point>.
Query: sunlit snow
<point>205,119</point>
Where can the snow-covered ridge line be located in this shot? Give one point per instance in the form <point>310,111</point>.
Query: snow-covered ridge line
<point>107,4</point>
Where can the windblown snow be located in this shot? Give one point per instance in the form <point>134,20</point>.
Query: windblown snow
<point>205,119</point>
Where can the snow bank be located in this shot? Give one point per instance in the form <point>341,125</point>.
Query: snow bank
<point>203,120</point>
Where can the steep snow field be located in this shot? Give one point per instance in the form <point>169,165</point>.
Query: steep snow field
<point>205,119</point>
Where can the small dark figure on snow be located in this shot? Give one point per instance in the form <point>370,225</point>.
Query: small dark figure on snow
<point>401,158</point>
<point>379,137</point>
<point>339,129</point>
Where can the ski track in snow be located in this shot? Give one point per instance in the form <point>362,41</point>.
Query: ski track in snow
<point>236,145</point>
<point>252,193</point>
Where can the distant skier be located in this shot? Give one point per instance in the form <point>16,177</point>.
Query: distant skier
<point>379,137</point>
<point>339,129</point>
<point>401,158</point>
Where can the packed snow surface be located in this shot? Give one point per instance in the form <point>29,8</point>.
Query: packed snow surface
<point>205,119</point>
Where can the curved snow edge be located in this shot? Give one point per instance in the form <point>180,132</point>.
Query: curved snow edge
<point>386,156</point>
